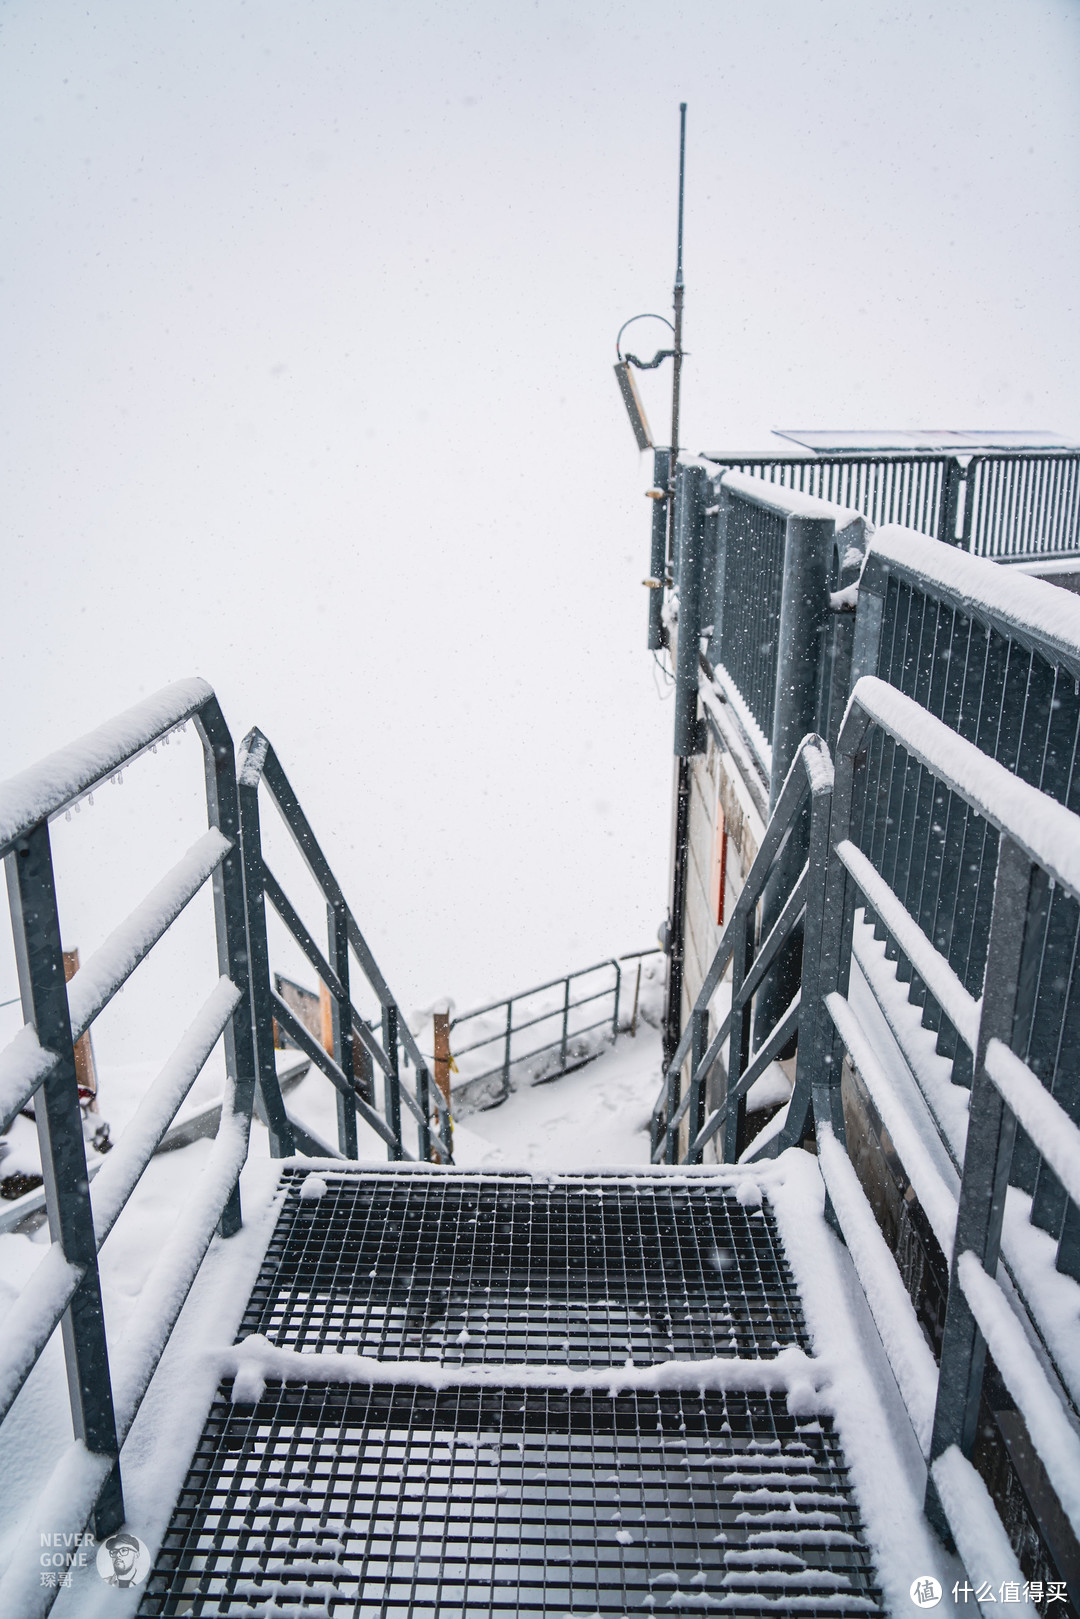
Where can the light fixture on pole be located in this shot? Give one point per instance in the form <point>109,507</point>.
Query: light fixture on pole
<point>628,387</point>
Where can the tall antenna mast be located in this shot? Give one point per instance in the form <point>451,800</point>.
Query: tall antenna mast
<point>677,374</point>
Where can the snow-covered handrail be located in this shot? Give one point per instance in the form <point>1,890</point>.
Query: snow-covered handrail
<point>1046,831</point>
<point>40,1063</point>
<point>68,774</point>
<point>1038,614</point>
<point>787,502</point>
<point>1037,845</point>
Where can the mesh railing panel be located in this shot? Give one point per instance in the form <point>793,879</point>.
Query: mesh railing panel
<point>747,636</point>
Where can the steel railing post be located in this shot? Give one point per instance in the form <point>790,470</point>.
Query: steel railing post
<point>392,1085</point>
<point>565,1021</point>
<point>739,1043</point>
<point>337,929</point>
<point>804,613</point>
<point>507,1045</point>
<point>615,1014</point>
<point>40,960</point>
<point>699,1040</point>
<point>658,550</point>
<point>231,924</point>
<point>271,1106</point>
<point>987,1160</point>
<point>949,510</point>
<point>692,485</point>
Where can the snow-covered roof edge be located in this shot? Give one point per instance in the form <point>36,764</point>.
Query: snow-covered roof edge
<point>1032,609</point>
<point>61,777</point>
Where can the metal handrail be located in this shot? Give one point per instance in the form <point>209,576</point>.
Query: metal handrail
<point>810,775</point>
<point>352,1035</point>
<point>1038,844</point>
<point>107,1381</point>
<point>1013,505</point>
<point>505,1035</point>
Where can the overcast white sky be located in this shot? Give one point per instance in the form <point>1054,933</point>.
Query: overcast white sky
<point>308,322</point>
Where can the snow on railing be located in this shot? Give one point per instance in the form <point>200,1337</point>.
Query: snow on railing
<point>39,1066</point>
<point>772,558</point>
<point>1040,615</point>
<point>63,778</point>
<point>1037,851</point>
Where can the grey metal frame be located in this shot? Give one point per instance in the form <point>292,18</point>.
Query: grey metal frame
<point>567,1062</point>
<point>780,636</point>
<point>1038,841</point>
<point>259,765</point>
<point>1011,505</point>
<point>810,777</point>
<point>66,1286</point>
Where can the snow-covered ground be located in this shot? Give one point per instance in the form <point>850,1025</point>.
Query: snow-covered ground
<point>598,1115</point>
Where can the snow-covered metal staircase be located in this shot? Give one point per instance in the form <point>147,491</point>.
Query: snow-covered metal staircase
<point>505,1395</point>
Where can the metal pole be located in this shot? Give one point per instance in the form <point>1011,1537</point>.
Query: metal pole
<point>392,1085</point>
<point>506,1051</point>
<point>676,918</point>
<point>657,565</point>
<point>677,366</point>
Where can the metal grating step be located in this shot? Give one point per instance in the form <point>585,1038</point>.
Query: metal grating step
<point>357,1502</point>
<point>582,1272</point>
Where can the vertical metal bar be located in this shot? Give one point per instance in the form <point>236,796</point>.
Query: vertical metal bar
<point>678,295</point>
<point>615,1014</point>
<point>272,1108</point>
<point>813,1018</point>
<point>658,547</point>
<point>230,922</point>
<point>972,496</point>
<point>506,1047</point>
<point>565,1020</point>
<point>826,1055</point>
<point>950,501</point>
<point>337,929</point>
<point>739,1042</point>
<point>987,1157</point>
<point>392,1084</point>
<point>676,943</point>
<point>803,611</point>
<point>40,959</point>
<point>424,1088</point>
<point>692,485</point>
<point>699,1023</point>
<point>803,620</point>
